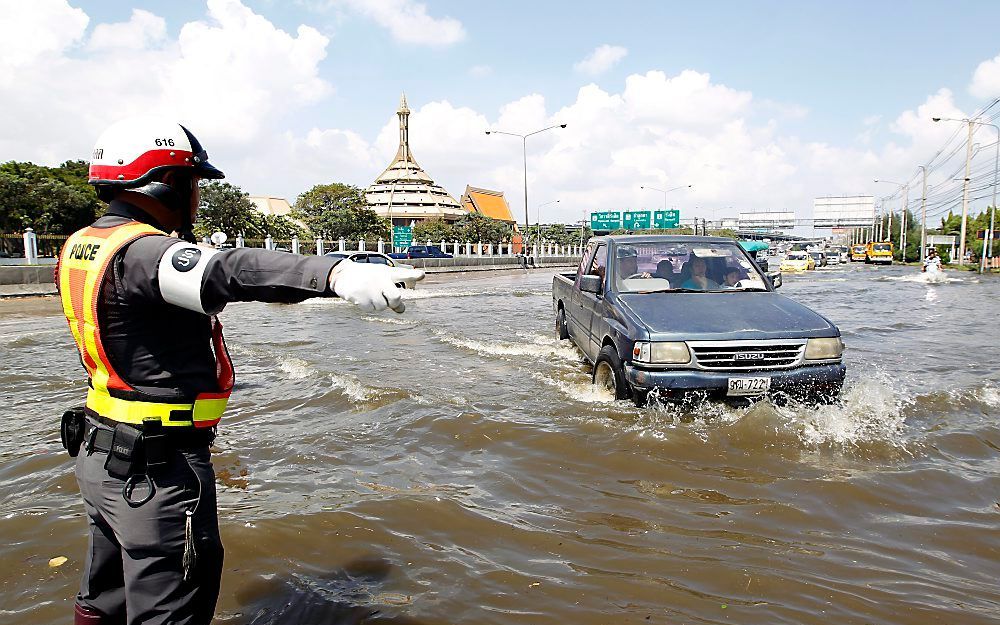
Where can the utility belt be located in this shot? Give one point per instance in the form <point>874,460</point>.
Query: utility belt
<point>205,411</point>
<point>134,451</point>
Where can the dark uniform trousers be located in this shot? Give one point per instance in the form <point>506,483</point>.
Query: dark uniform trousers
<point>134,565</point>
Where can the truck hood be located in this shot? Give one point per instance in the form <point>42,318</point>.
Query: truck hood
<point>725,316</point>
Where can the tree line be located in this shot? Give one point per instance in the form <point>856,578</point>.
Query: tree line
<point>59,201</point>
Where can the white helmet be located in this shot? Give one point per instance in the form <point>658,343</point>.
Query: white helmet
<point>130,152</point>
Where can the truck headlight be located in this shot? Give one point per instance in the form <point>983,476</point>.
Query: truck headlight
<point>824,349</point>
<point>672,353</point>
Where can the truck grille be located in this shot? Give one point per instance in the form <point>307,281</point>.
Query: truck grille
<point>746,355</point>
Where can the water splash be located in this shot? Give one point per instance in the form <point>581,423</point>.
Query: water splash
<point>537,346</point>
<point>295,368</point>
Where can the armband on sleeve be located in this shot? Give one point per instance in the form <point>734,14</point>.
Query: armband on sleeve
<point>180,272</point>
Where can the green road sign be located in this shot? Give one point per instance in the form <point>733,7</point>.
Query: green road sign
<point>636,220</point>
<point>402,236</point>
<point>666,219</point>
<point>606,221</point>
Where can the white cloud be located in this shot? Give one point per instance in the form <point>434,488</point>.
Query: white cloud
<point>30,30</point>
<point>142,29</point>
<point>986,79</point>
<point>603,58</point>
<point>408,21</point>
<point>230,77</point>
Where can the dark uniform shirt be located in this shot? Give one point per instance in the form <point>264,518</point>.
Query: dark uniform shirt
<point>165,350</point>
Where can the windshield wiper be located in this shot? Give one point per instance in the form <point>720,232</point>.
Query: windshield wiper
<point>673,290</point>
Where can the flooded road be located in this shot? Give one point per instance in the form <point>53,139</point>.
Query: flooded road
<point>454,465</point>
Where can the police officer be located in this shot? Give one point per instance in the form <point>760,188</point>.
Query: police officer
<point>142,306</point>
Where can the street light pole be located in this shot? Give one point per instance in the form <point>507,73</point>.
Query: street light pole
<point>538,217</point>
<point>524,156</point>
<point>665,192</point>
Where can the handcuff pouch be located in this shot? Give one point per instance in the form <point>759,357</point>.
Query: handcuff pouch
<point>125,456</point>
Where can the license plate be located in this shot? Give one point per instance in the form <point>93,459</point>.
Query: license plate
<point>748,386</point>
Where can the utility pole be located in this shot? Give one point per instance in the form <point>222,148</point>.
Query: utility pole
<point>965,195</point>
<point>902,224</point>
<point>923,217</point>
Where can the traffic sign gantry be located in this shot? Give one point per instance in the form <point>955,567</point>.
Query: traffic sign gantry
<point>402,236</point>
<point>666,219</point>
<point>607,220</point>
<point>636,220</point>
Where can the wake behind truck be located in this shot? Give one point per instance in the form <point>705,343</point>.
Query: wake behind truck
<point>686,317</point>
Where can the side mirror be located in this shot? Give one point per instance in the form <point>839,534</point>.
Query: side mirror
<point>590,283</point>
<point>775,278</point>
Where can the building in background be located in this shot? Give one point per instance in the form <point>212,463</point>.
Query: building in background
<point>267,205</point>
<point>404,192</point>
<point>767,221</point>
<point>487,202</point>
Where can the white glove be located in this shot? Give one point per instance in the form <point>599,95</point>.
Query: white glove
<point>372,287</point>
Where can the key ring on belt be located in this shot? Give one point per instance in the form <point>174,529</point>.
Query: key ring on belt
<point>130,485</point>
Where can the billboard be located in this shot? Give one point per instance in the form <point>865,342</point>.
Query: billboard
<point>845,211</point>
<point>767,220</point>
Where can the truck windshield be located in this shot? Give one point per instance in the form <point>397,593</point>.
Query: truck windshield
<point>685,266</point>
<point>883,247</point>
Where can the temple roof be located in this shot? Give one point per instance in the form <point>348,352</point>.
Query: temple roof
<point>488,202</point>
<point>404,189</point>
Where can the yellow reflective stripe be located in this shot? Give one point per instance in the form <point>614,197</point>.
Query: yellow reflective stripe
<point>134,412</point>
<point>209,409</point>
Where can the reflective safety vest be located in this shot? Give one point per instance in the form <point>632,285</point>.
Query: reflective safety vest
<point>83,264</point>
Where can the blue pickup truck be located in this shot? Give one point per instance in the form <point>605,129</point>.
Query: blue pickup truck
<point>421,251</point>
<point>689,318</point>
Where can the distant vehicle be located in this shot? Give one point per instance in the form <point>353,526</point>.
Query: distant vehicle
<point>879,253</point>
<point>858,252</point>
<point>832,257</point>
<point>798,260</point>
<point>656,313</point>
<point>819,257</point>
<point>422,251</point>
<point>374,258</point>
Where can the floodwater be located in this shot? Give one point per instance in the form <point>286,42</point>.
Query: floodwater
<point>454,465</point>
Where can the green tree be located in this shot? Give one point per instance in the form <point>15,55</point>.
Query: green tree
<point>478,227</point>
<point>339,210</point>
<point>227,208</point>
<point>558,234</point>
<point>434,230</point>
<point>51,200</point>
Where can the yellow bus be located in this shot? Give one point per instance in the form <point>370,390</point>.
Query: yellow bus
<point>879,252</point>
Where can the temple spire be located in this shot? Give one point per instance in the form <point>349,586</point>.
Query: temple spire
<point>404,190</point>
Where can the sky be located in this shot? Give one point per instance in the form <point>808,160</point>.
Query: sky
<point>757,105</point>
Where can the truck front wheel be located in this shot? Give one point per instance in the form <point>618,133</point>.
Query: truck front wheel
<point>608,373</point>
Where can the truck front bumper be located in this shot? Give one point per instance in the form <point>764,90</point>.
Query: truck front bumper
<point>822,381</point>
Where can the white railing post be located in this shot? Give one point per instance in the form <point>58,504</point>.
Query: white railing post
<point>319,246</point>
<point>240,241</point>
<point>268,243</point>
<point>30,246</point>
<point>534,250</point>
<point>361,244</point>
<point>429,243</point>
<point>341,247</point>
<point>295,244</point>
<point>489,249</point>
<point>468,248</point>
<point>443,248</point>
<point>381,246</point>
<point>454,248</point>
<point>479,248</point>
